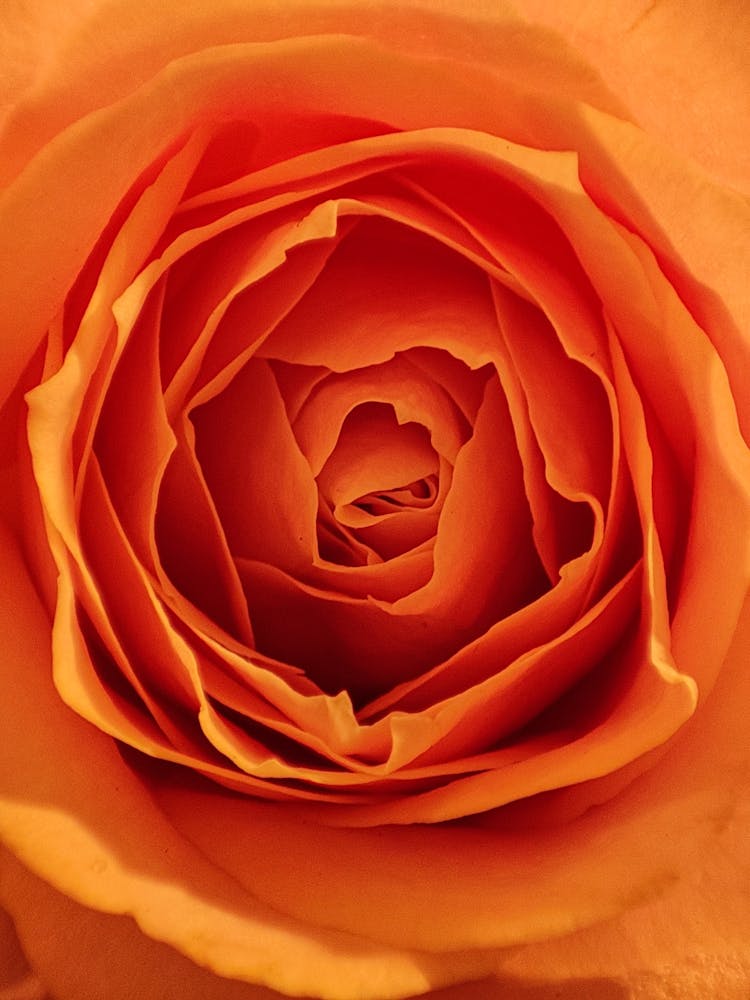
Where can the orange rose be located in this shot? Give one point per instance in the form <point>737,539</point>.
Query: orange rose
<point>376,508</point>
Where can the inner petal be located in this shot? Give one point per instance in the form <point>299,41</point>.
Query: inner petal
<point>406,286</point>
<point>413,496</point>
<point>411,394</point>
<point>376,483</point>
<point>375,453</point>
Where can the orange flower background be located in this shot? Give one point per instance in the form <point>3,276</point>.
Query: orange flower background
<point>376,501</point>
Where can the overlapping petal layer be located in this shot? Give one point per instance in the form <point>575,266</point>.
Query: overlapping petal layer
<point>388,455</point>
<point>375,332</point>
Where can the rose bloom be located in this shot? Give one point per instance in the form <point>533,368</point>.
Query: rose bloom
<point>375,499</point>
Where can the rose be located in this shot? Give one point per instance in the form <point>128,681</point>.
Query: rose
<point>109,844</point>
<point>614,821</point>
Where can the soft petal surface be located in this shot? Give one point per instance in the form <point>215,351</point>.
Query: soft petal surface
<point>680,68</point>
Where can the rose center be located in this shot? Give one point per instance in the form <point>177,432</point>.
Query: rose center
<point>378,490</point>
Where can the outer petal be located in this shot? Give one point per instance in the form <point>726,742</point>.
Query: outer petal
<point>680,68</point>
<point>72,76</point>
<point>29,38</point>
<point>83,954</point>
<point>694,941</point>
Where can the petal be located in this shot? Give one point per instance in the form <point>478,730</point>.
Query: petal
<point>693,941</point>
<point>133,48</point>
<point>702,260</point>
<point>82,953</point>
<point>680,69</point>
<point>263,487</point>
<point>390,279</point>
